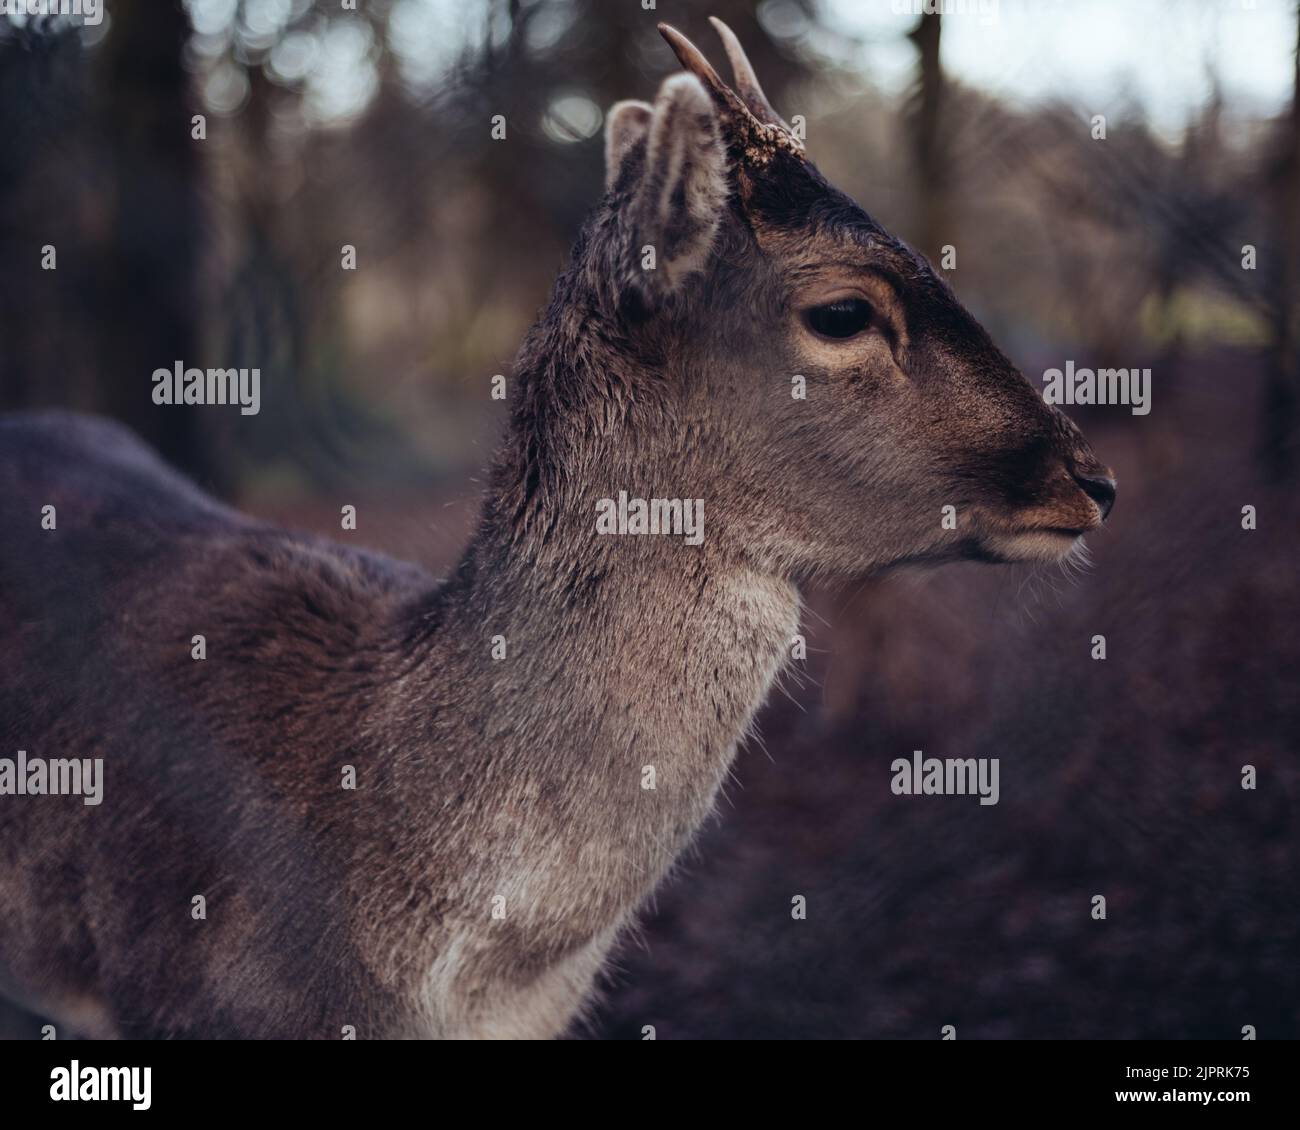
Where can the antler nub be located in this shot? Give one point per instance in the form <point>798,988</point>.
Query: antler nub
<point>760,127</point>
<point>692,58</point>
<point>746,81</point>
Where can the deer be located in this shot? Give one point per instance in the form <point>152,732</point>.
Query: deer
<point>534,740</point>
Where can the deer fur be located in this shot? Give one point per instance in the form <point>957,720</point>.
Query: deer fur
<point>511,784</point>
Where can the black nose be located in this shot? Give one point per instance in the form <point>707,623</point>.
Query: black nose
<point>1101,489</point>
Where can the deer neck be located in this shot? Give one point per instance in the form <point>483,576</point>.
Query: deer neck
<point>619,670</point>
<point>629,667</point>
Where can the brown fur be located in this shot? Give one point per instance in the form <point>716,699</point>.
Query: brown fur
<point>518,778</point>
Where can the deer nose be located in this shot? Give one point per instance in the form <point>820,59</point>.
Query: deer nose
<point>1100,488</point>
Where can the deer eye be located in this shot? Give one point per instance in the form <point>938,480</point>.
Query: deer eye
<point>847,317</point>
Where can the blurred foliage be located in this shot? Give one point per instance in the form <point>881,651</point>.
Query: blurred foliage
<point>327,127</point>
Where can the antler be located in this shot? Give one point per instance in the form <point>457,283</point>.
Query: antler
<point>746,80</point>
<point>748,111</point>
<point>694,61</point>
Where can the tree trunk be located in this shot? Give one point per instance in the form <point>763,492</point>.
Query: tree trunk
<point>147,302</point>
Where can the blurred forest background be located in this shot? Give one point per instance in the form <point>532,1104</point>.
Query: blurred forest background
<point>324,126</point>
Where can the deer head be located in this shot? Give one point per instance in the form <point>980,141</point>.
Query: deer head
<point>719,271</point>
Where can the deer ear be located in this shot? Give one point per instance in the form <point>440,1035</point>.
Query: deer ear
<point>626,124</point>
<point>677,203</point>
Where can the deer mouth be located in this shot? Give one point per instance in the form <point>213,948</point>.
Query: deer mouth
<point>1052,530</point>
<point>1034,543</point>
